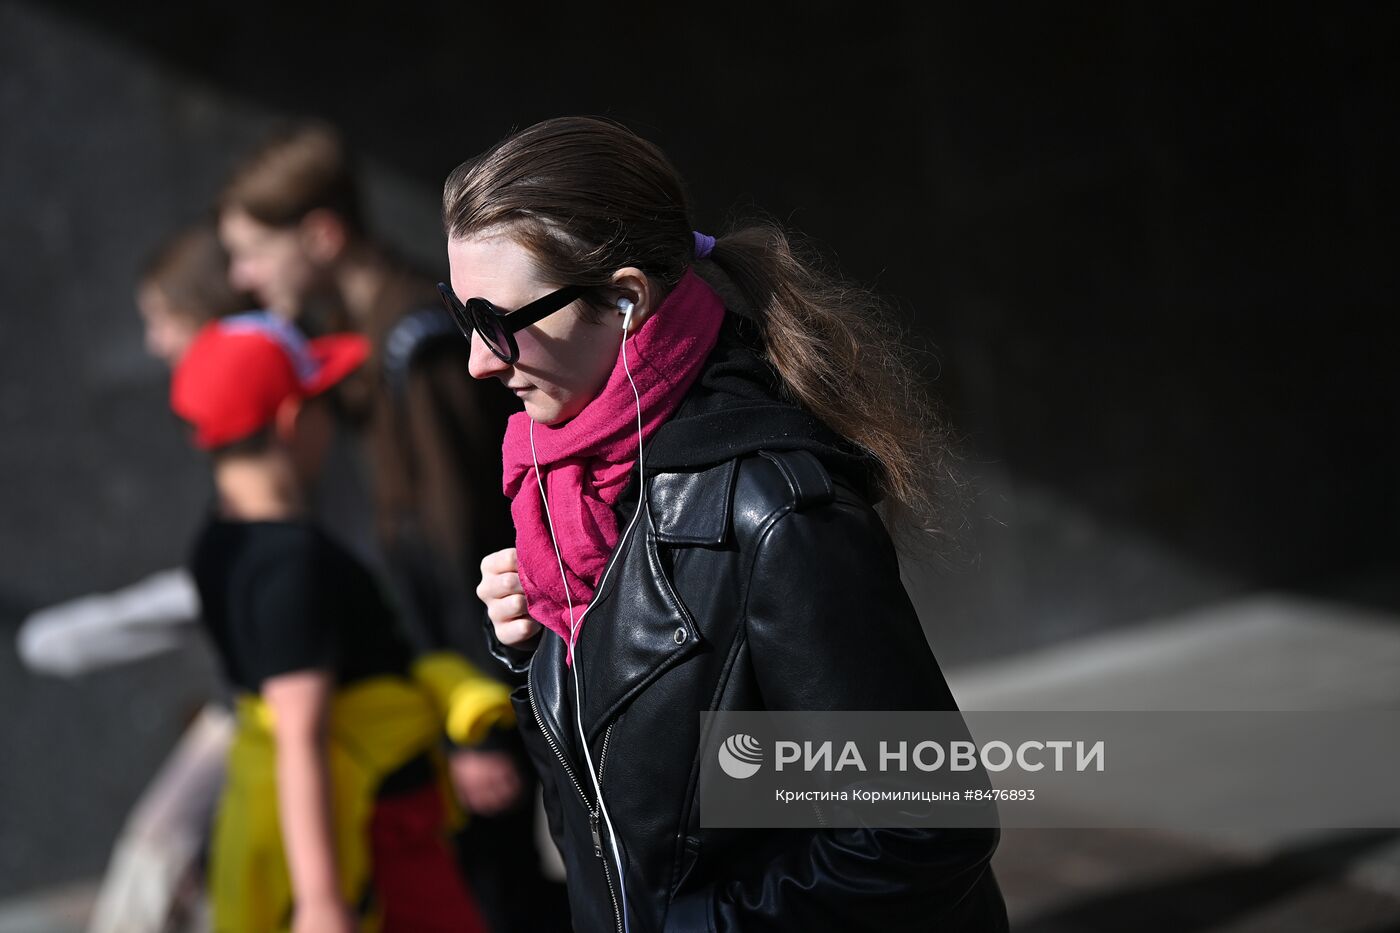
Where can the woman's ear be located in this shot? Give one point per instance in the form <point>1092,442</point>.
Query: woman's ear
<point>633,285</point>
<point>324,235</point>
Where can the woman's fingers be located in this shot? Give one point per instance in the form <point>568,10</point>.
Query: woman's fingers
<point>507,608</point>
<point>502,561</point>
<point>516,631</point>
<point>498,585</point>
<point>505,602</point>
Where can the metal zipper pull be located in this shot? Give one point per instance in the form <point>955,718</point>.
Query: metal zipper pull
<point>597,836</point>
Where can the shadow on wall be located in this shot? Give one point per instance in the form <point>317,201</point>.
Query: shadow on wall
<point>1154,256</point>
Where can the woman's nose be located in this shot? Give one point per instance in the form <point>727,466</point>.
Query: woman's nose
<point>483,364</point>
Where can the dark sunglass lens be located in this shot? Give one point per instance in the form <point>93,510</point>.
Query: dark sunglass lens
<point>488,324</point>
<point>454,308</point>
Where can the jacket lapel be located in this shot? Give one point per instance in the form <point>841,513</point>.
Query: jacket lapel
<point>694,507</point>
<point>636,628</point>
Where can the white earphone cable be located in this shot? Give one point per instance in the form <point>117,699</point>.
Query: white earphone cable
<point>574,624</point>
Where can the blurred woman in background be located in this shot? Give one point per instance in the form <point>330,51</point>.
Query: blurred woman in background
<point>293,220</point>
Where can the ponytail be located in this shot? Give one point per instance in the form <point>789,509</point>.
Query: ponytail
<point>841,356</point>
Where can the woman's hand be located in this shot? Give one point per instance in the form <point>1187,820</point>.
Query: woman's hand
<point>486,782</point>
<point>323,915</point>
<point>505,600</point>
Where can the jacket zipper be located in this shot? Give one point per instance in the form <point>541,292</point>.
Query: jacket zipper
<point>592,810</point>
<point>593,813</point>
<point>554,746</point>
<point>597,834</point>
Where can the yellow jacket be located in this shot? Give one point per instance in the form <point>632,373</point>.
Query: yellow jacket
<point>375,726</point>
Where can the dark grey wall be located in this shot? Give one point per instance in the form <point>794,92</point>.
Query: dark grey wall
<point>1154,251</point>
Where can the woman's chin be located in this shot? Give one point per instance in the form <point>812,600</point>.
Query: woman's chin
<point>544,411</point>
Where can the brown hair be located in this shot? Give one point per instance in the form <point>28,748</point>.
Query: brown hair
<point>294,172</point>
<point>587,196</point>
<point>190,270</point>
<point>426,437</point>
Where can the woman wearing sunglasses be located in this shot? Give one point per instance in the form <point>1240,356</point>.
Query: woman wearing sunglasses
<point>706,426</point>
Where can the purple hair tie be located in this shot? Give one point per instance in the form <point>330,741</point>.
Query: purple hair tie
<point>704,245</point>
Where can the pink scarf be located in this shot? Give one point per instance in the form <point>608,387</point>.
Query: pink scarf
<point>588,459</point>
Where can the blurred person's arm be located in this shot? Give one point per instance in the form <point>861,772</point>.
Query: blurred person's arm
<point>454,426</point>
<point>137,621</point>
<point>300,703</point>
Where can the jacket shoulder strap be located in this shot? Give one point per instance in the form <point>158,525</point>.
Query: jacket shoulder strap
<point>774,483</point>
<point>808,481</point>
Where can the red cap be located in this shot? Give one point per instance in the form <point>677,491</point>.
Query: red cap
<point>239,370</point>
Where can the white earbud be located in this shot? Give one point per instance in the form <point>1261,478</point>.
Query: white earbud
<point>624,307</point>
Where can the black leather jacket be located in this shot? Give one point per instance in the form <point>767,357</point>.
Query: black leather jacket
<point>763,582</point>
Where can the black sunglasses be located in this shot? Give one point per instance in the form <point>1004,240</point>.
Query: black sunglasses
<point>498,328</point>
